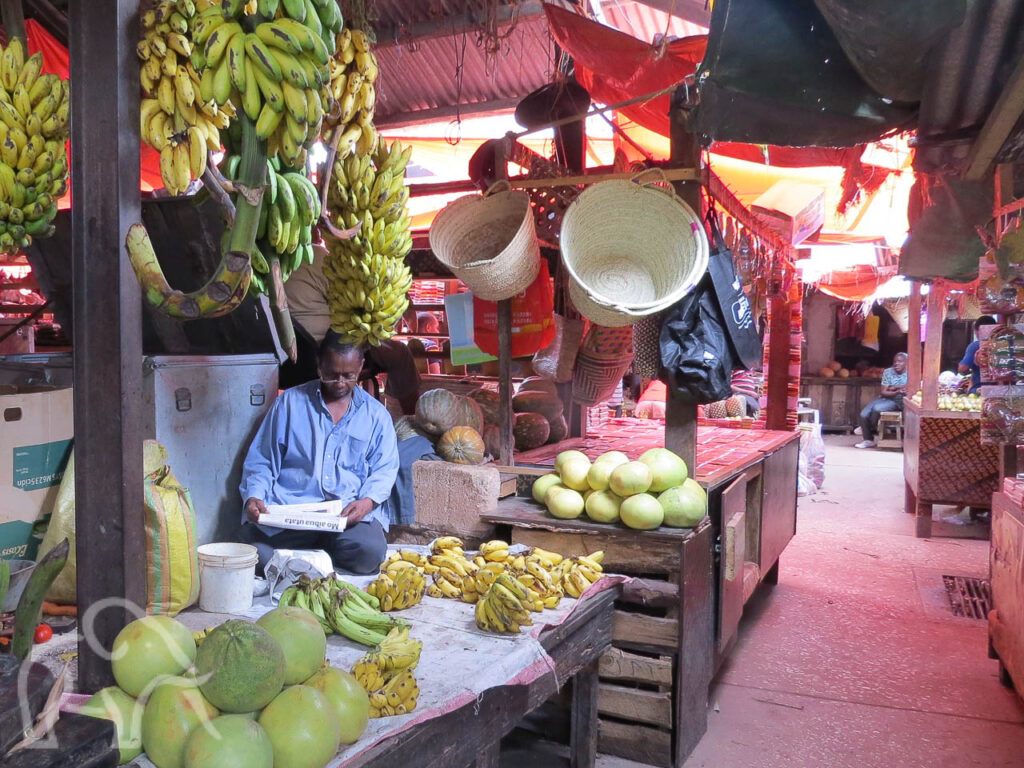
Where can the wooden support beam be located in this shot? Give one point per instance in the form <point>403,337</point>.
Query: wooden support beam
<point>914,340</point>
<point>55,21</point>
<point>681,415</point>
<point>997,127</point>
<point>446,112</point>
<point>456,24</point>
<point>931,367</point>
<point>777,375</point>
<point>107,323</point>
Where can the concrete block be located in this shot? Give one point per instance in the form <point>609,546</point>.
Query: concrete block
<point>451,497</point>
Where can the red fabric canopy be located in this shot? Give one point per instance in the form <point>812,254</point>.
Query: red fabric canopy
<point>56,62</point>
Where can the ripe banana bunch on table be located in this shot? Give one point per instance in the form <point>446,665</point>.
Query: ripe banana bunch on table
<point>276,72</point>
<point>577,573</point>
<point>403,590</point>
<point>367,276</point>
<point>33,160</point>
<point>175,119</point>
<point>352,88</point>
<point>505,607</point>
<point>386,673</point>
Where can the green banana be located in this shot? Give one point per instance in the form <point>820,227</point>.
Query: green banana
<point>26,617</point>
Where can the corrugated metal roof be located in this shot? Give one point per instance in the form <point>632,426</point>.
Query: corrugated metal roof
<point>457,71</point>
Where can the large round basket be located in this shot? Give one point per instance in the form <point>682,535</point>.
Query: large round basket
<point>632,249</point>
<point>489,242</point>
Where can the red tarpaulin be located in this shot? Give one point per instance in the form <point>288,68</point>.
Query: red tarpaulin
<point>55,61</point>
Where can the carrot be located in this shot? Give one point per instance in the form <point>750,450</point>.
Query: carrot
<point>52,609</point>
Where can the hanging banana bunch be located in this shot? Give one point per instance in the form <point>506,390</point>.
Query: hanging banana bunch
<point>275,73</point>
<point>33,159</point>
<point>353,92</point>
<point>368,278</point>
<point>175,120</point>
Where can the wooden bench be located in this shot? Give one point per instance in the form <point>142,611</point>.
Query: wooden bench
<point>890,430</point>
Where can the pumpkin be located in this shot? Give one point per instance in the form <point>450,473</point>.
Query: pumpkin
<point>530,431</point>
<point>406,427</point>
<point>492,440</point>
<point>461,445</point>
<point>537,384</point>
<point>548,406</point>
<point>490,404</point>
<point>438,410</point>
<point>559,430</point>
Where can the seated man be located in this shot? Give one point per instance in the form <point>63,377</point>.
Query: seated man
<point>324,440</point>
<point>894,388</point>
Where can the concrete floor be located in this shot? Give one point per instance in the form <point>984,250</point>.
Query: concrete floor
<point>854,660</point>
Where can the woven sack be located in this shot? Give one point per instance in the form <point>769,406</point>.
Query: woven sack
<point>489,242</point>
<point>603,360</point>
<point>556,360</point>
<point>631,249</point>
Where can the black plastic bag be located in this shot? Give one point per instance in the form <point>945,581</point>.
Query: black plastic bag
<point>695,350</point>
<point>733,302</point>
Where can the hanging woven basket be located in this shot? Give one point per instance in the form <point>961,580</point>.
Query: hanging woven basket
<point>631,248</point>
<point>489,242</point>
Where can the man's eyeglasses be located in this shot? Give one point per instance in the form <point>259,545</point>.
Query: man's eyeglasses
<point>350,378</point>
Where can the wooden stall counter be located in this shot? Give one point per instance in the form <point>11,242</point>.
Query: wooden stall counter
<point>945,462</point>
<point>652,697</point>
<point>1006,620</point>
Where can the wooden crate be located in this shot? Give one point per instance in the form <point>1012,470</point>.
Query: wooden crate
<point>652,708</point>
<point>1006,620</point>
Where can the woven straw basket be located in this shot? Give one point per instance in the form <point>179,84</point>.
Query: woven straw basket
<point>489,242</point>
<point>602,361</point>
<point>631,248</point>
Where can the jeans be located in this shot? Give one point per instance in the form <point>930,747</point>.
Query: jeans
<point>872,411</point>
<point>359,549</point>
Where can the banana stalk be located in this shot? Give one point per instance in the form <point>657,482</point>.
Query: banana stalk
<point>279,309</point>
<point>26,617</point>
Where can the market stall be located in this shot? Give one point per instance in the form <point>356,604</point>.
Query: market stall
<point>1006,620</point>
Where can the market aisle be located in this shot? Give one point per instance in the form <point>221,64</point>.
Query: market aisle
<point>854,659</point>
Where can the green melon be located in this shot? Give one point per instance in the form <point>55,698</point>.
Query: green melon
<point>241,667</point>
<point>230,741</point>
<point>174,710</point>
<point>301,637</point>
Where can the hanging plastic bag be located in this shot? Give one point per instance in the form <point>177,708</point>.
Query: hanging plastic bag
<point>533,318</point>
<point>732,301</point>
<point>62,526</point>
<point>812,456</point>
<point>695,350</point>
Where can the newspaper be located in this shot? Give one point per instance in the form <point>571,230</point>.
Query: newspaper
<point>315,516</point>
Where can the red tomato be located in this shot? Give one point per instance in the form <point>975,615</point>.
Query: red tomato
<point>43,633</point>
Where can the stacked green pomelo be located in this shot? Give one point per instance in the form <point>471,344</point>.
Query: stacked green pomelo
<point>283,704</point>
<point>652,491</point>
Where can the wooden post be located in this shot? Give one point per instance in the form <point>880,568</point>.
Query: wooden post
<point>505,381</point>
<point>107,322</point>
<point>930,368</point>
<point>681,415</point>
<point>583,732</point>
<point>777,375</point>
<point>914,340</point>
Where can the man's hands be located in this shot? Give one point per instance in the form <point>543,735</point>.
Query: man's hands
<point>254,508</point>
<point>357,510</point>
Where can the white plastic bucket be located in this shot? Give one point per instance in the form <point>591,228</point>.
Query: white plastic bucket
<point>226,574</point>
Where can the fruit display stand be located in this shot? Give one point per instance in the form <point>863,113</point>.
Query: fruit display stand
<point>1006,620</point>
<point>652,697</point>
<point>945,462</point>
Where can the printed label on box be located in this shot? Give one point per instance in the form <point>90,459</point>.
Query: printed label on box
<point>40,466</point>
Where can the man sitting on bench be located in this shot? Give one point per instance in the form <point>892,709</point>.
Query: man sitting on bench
<point>894,388</point>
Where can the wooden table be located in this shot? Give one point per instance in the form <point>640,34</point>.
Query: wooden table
<point>1006,621</point>
<point>945,462</point>
<point>839,401</point>
<point>665,619</point>
<point>471,735</point>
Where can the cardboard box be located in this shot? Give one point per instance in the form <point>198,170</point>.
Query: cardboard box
<point>36,429</point>
<point>794,210</point>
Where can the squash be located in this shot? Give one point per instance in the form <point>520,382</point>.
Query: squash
<point>537,384</point>
<point>548,406</point>
<point>559,430</point>
<point>406,427</point>
<point>492,441</point>
<point>490,404</point>
<point>438,410</point>
<point>530,431</point>
<point>461,445</point>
